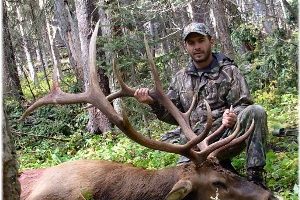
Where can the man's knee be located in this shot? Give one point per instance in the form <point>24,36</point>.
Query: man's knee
<point>257,110</point>
<point>259,115</point>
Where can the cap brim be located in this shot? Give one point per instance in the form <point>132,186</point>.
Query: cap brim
<point>199,32</point>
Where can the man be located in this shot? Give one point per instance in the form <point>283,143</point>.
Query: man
<point>215,78</point>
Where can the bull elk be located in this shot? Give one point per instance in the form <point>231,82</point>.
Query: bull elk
<point>203,178</point>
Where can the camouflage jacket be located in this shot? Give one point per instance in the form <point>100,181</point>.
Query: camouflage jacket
<point>221,85</point>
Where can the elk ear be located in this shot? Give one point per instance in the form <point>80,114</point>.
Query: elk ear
<point>180,190</point>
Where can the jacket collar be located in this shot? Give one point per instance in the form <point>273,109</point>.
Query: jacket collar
<point>219,61</point>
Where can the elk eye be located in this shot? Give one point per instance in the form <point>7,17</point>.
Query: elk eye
<point>220,185</point>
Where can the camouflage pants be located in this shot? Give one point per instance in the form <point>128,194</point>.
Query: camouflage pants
<point>255,144</point>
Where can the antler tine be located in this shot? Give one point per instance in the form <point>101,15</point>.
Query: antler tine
<point>94,93</point>
<point>234,141</point>
<point>56,96</point>
<point>187,114</point>
<point>203,154</point>
<point>216,133</point>
<point>125,90</point>
<point>164,100</point>
<point>208,126</point>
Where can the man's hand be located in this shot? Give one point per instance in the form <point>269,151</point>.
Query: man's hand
<point>142,95</point>
<point>229,118</point>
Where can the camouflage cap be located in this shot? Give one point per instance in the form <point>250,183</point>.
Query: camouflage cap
<point>195,27</point>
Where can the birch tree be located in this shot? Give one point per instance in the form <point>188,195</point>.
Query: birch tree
<point>38,35</point>
<point>67,27</point>
<point>222,29</point>
<point>29,59</point>
<point>11,83</point>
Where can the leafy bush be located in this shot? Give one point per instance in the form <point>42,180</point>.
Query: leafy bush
<point>270,60</point>
<point>281,108</point>
<point>114,147</point>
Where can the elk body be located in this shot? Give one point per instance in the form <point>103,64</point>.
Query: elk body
<point>114,181</point>
<point>201,179</point>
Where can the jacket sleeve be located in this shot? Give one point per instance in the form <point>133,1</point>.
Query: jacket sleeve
<point>239,94</point>
<point>162,113</point>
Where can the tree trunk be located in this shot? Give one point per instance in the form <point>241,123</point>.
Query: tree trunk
<point>294,15</point>
<point>259,8</point>
<point>272,17</point>
<point>30,65</point>
<point>11,186</point>
<point>287,11</point>
<point>199,11</point>
<point>222,29</point>
<point>54,51</point>
<point>11,79</point>
<point>38,40</point>
<point>46,49</point>
<point>44,55</point>
<point>98,123</point>
<point>38,56</point>
<point>234,14</point>
<point>106,31</point>
<point>83,20</point>
<point>69,34</point>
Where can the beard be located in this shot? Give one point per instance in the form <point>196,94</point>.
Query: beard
<point>200,57</point>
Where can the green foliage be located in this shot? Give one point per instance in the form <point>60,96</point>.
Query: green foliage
<point>121,149</point>
<point>292,17</point>
<point>282,163</point>
<point>114,147</point>
<point>282,109</point>
<point>87,195</point>
<point>270,60</point>
<point>282,170</point>
<point>40,136</point>
<point>55,120</point>
<point>245,34</point>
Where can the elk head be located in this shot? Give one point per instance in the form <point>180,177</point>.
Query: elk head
<point>202,179</point>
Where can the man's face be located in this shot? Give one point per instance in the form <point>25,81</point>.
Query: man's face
<point>199,47</point>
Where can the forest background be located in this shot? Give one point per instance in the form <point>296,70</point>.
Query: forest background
<point>260,35</point>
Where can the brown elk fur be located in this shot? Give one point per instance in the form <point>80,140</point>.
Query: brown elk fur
<point>104,180</point>
<point>28,179</point>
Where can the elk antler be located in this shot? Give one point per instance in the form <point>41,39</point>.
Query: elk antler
<point>95,96</point>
